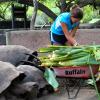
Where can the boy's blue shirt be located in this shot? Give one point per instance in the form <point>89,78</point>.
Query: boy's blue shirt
<point>65,18</point>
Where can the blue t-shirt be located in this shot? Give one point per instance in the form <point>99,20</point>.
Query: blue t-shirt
<point>65,18</point>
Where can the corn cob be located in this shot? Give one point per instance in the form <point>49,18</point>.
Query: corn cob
<point>71,56</point>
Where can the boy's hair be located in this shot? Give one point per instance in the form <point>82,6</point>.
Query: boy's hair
<point>76,12</point>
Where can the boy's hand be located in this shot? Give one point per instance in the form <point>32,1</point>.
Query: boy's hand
<point>76,44</point>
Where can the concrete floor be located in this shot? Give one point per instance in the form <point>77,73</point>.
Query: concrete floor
<point>84,94</point>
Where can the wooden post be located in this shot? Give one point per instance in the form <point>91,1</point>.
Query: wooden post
<point>32,23</point>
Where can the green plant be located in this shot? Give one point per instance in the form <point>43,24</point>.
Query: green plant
<point>89,14</point>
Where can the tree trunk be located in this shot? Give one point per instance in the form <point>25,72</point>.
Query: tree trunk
<point>32,24</point>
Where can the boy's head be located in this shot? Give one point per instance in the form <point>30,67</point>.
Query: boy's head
<point>76,13</point>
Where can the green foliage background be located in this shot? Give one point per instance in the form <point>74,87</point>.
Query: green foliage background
<point>89,12</point>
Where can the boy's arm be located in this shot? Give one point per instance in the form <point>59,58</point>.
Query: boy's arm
<point>73,32</point>
<point>68,35</point>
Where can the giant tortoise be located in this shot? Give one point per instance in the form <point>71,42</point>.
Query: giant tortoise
<point>34,74</point>
<point>10,79</point>
<point>13,53</point>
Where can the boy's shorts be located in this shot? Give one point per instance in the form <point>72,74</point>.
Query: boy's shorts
<point>59,39</point>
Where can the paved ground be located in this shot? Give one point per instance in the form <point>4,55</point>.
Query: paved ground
<point>84,94</point>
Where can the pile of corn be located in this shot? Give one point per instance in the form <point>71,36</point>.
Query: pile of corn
<point>70,56</point>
